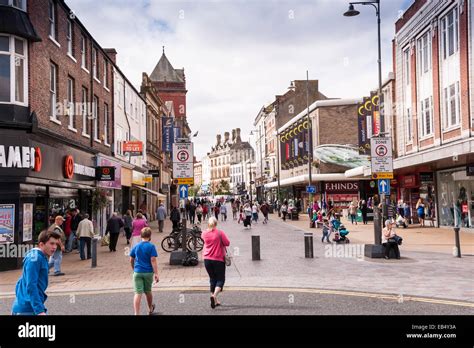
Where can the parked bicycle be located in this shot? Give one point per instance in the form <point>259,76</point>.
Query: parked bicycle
<point>174,241</point>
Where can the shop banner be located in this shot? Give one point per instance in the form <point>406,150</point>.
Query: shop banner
<point>375,112</point>
<point>7,223</point>
<point>27,222</point>
<point>363,113</point>
<point>168,133</point>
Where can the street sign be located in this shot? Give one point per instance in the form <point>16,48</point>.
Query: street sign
<point>183,191</point>
<point>183,162</point>
<point>384,186</point>
<point>381,157</point>
<point>311,189</point>
<point>184,181</point>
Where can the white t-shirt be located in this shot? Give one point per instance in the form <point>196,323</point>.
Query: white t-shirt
<point>254,209</point>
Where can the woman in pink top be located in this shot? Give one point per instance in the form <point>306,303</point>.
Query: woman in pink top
<point>138,224</point>
<point>215,242</point>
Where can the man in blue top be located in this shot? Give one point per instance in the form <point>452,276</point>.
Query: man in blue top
<point>30,288</point>
<point>143,260</point>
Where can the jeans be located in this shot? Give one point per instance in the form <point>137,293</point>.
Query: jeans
<point>216,271</point>
<point>161,223</point>
<point>83,242</point>
<point>325,235</point>
<point>255,217</point>
<point>70,241</point>
<point>24,313</point>
<point>353,218</point>
<point>55,260</point>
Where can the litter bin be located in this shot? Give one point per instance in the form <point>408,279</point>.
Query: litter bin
<point>294,214</point>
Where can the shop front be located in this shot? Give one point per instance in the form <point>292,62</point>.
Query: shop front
<point>456,196</point>
<point>339,194</point>
<point>38,181</point>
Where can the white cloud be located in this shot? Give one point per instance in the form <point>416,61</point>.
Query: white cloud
<point>238,55</point>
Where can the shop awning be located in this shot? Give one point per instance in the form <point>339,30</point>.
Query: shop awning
<point>359,172</point>
<point>157,194</point>
<point>342,155</point>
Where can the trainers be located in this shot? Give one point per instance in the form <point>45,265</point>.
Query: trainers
<point>59,274</point>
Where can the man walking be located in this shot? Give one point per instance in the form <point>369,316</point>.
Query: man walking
<point>175,218</point>
<point>57,257</point>
<point>85,233</point>
<point>161,216</point>
<point>113,226</point>
<point>30,290</point>
<point>76,218</point>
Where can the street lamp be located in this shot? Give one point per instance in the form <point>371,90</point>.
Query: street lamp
<point>351,12</point>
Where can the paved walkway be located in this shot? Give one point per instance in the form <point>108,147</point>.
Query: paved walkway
<point>426,274</point>
<point>415,238</point>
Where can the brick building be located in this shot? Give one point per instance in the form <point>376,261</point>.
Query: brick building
<point>433,64</point>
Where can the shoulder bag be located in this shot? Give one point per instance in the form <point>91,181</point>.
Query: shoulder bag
<point>227,258</point>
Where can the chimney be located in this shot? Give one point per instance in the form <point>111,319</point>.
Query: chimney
<point>226,137</point>
<point>233,136</point>
<point>218,139</point>
<point>237,137</point>
<point>112,53</point>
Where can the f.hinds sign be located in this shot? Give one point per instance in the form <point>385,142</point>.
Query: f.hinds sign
<point>20,157</point>
<point>343,186</point>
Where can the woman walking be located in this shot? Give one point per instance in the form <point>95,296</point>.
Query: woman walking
<point>138,224</point>
<point>364,209</point>
<point>248,216</point>
<point>284,210</point>
<point>128,224</point>
<point>199,213</point>
<point>353,212</point>
<point>215,243</point>
<point>420,210</point>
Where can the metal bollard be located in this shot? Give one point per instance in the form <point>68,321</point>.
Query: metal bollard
<point>94,253</point>
<point>255,248</point>
<point>308,246</point>
<point>458,243</point>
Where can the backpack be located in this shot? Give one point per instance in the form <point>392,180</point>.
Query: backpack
<point>190,259</point>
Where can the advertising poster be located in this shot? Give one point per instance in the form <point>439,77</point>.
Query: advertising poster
<point>27,222</point>
<point>7,223</point>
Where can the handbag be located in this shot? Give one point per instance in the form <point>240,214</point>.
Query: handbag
<point>105,241</point>
<point>227,258</point>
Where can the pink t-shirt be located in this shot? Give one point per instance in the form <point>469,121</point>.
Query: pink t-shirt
<point>213,247</point>
<point>137,226</point>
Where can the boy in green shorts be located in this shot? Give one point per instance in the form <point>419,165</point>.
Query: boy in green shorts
<point>143,260</point>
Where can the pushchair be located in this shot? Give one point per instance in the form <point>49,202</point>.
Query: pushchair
<point>340,232</point>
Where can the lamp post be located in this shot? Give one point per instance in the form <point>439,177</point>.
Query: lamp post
<point>351,12</point>
<point>310,141</point>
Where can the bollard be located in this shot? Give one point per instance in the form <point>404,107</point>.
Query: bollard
<point>94,253</point>
<point>308,246</point>
<point>255,248</point>
<point>458,243</point>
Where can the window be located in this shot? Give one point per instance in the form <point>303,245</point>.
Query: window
<point>83,52</point>
<point>13,70</point>
<point>95,117</point>
<point>449,33</point>
<point>85,109</point>
<point>409,127</point>
<point>426,117</point>
<point>69,38</point>
<point>53,91</point>
<point>106,124</point>
<point>70,102</point>
<point>451,105</point>
<point>52,19</point>
<point>106,68</point>
<point>21,4</point>
<point>424,52</point>
<point>118,141</point>
<point>94,62</point>
<point>406,58</point>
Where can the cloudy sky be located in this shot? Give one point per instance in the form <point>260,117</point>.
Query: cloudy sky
<point>239,54</point>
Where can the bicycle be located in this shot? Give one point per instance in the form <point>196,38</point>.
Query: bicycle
<point>175,240</point>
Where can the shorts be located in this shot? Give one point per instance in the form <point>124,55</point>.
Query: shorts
<point>142,282</point>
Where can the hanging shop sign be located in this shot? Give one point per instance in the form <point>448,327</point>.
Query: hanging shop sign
<point>112,179</point>
<point>105,173</point>
<point>168,133</point>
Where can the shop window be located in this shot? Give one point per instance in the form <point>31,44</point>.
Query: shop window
<point>13,70</point>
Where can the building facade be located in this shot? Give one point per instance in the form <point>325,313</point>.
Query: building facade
<point>433,61</point>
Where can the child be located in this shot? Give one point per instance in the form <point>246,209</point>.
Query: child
<point>326,231</point>
<point>241,214</point>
